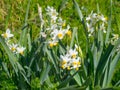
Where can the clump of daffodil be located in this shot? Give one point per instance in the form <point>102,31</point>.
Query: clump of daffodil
<point>70,60</point>
<point>15,48</point>
<point>92,20</point>
<point>55,27</point>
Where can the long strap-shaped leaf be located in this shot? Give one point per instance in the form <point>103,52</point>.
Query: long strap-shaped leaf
<point>105,59</point>
<point>109,24</point>
<point>114,62</point>
<point>23,35</point>
<point>102,63</point>
<point>82,20</point>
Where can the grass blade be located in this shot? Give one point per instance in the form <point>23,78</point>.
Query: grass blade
<point>78,10</point>
<point>109,24</point>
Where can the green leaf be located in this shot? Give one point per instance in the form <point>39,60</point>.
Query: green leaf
<point>73,37</point>
<point>112,67</point>
<point>109,24</point>
<point>76,77</point>
<point>5,68</point>
<point>78,10</point>
<point>102,63</point>
<point>73,87</point>
<point>23,40</point>
<point>66,81</point>
<point>62,5</point>
<point>52,58</point>
<point>44,73</point>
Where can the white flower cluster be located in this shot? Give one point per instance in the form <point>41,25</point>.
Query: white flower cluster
<point>114,38</point>
<point>15,48</point>
<point>92,20</point>
<point>56,28</point>
<point>70,60</point>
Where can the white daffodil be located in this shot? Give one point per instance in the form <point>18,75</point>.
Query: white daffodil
<point>91,17</point>
<point>61,23</point>
<point>52,12</point>
<point>58,34</point>
<point>13,47</point>
<point>65,61</point>
<point>92,20</point>
<point>7,35</point>
<point>67,31</point>
<point>114,38</point>
<point>90,29</point>
<point>76,63</point>
<point>102,18</point>
<point>20,50</point>
<point>94,15</point>
<point>73,53</point>
<point>52,43</point>
<point>70,60</point>
<point>43,34</point>
<point>102,27</point>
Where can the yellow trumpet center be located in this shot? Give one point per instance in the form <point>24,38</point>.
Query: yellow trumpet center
<point>13,48</point>
<point>73,55</point>
<point>21,53</point>
<point>68,68</point>
<point>60,35</point>
<point>69,33</point>
<point>63,66</point>
<point>77,68</point>
<point>53,14</point>
<point>76,63</point>
<point>55,43</point>
<point>64,24</point>
<point>64,62</point>
<point>51,44</point>
<point>5,35</point>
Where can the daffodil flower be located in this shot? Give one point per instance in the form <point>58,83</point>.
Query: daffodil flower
<point>73,53</point>
<point>13,47</point>
<point>65,61</point>
<point>70,60</point>
<point>114,38</point>
<point>7,35</point>
<point>52,13</point>
<point>52,43</point>
<point>20,50</point>
<point>76,63</point>
<point>92,20</point>
<point>58,34</point>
